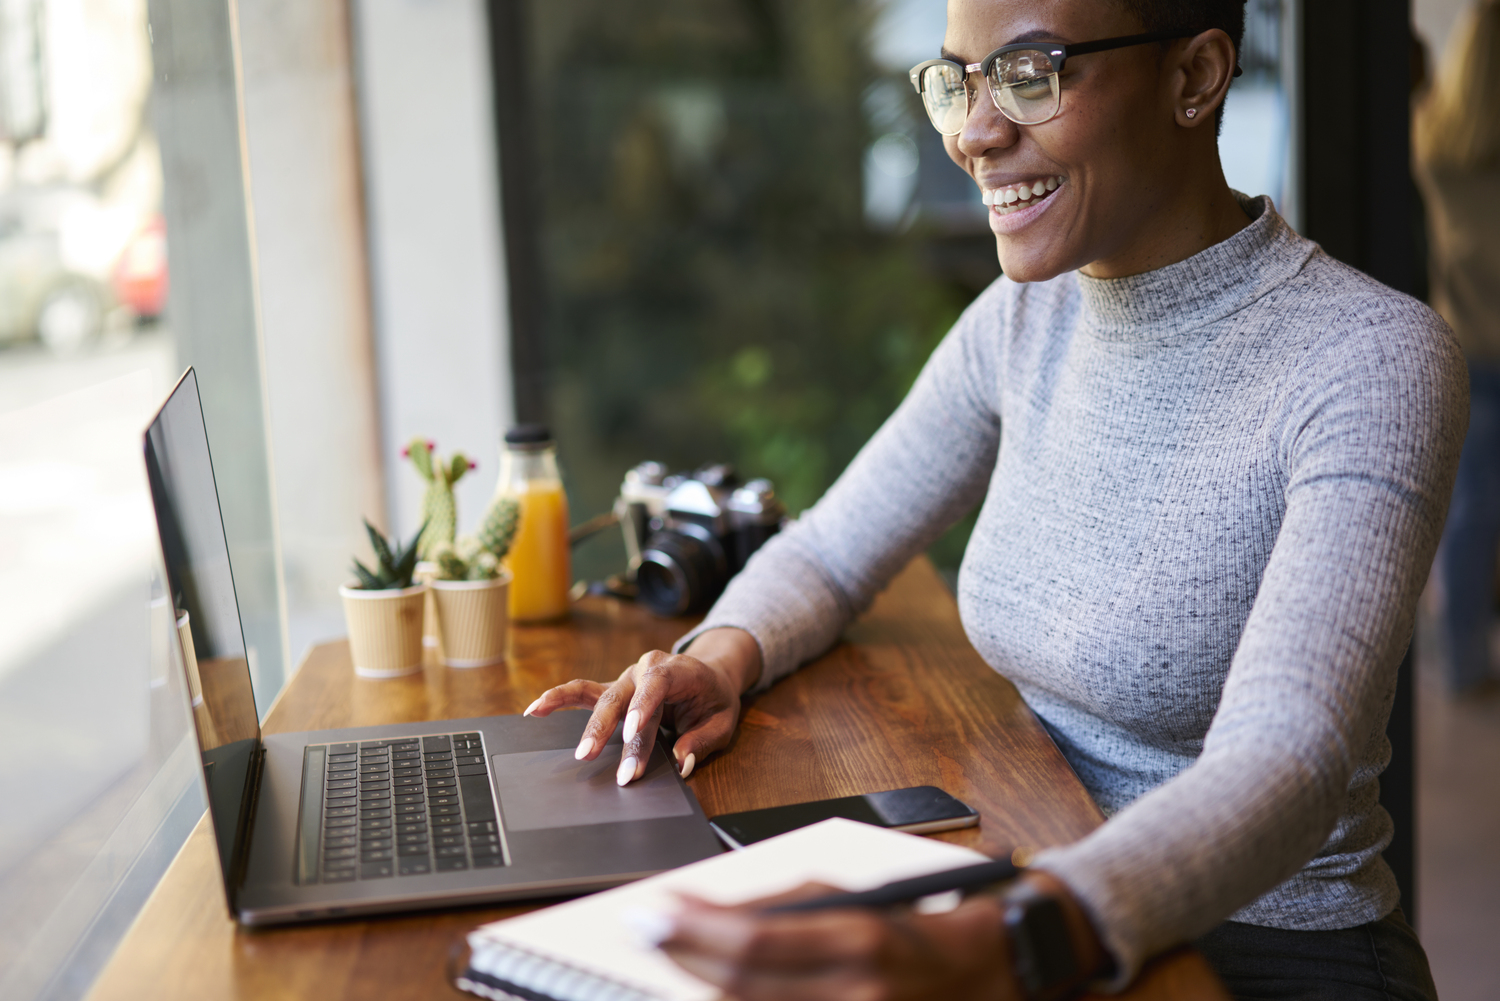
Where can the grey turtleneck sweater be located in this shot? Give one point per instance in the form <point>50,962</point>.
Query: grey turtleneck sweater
<point>1211,495</point>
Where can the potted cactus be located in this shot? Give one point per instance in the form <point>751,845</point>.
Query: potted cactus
<point>439,508</point>
<point>471,590</point>
<point>383,609</point>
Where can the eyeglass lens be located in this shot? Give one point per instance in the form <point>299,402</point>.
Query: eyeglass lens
<point>1023,84</point>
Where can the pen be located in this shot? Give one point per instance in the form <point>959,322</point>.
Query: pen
<point>904,891</point>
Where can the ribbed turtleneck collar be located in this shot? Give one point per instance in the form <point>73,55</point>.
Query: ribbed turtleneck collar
<point>1206,287</point>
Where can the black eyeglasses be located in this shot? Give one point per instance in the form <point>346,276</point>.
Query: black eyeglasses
<point>1022,79</point>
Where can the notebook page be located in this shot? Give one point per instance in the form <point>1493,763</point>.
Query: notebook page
<point>592,934</point>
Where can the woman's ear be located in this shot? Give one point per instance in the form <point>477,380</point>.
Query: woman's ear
<point>1203,71</point>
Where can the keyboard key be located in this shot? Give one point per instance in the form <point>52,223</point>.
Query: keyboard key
<point>339,822</point>
<point>340,863</point>
<point>468,760</point>
<point>376,797</point>
<point>371,844</point>
<point>440,773</point>
<point>339,783</point>
<point>381,814</point>
<point>370,825</point>
<point>446,756</point>
<point>482,826</point>
<point>466,736</point>
<point>337,853</point>
<point>442,800</point>
<point>408,799</point>
<point>409,828</point>
<point>445,811</point>
<point>412,850</point>
<point>348,811</point>
<point>342,841</point>
<point>412,780</point>
<point>406,773</point>
<point>415,866</point>
<point>340,875</point>
<point>372,771</point>
<point>407,808</point>
<point>488,861</point>
<point>342,748</point>
<point>484,839</point>
<point>381,855</point>
<point>342,767</point>
<point>441,783</point>
<point>438,743</point>
<point>448,839</point>
<point>482,850</point>
<point>412,839</point>
<point>451,851</point>
<point>375,870</point>
<point>472,770</point>
<point>337,801</point>
<point>443,830</point>
<point>451,864</point>
<point>351,756</point>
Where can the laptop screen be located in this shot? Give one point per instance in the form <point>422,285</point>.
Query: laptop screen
<point>208,619</point>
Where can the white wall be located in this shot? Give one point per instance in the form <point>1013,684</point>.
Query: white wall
<point>437,259</point>
<point>301,130</point>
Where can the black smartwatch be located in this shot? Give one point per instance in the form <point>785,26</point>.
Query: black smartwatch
<point>1041,952</point>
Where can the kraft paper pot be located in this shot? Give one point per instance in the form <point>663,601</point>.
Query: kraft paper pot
<point>425,573</point>
<point>385,630</point>
<point>473,616</point>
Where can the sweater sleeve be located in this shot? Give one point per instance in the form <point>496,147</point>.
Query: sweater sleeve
<point>924,469</point>
<point>1370,454</point>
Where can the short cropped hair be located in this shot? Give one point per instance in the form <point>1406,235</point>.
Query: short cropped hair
<point>1196,16</point>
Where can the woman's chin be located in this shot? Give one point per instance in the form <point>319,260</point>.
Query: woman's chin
<point>1024,264</point>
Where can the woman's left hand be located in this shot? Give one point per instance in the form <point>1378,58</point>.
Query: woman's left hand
<point>848,955</point>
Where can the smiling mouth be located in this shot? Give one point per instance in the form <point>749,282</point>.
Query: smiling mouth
<point>1024,194</point>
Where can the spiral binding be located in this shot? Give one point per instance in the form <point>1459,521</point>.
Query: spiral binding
<point>505,973</point>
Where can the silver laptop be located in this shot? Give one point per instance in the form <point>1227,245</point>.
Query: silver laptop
<point>332,823</point>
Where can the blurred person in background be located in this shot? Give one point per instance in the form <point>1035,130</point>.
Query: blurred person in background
<point>1457,145</point>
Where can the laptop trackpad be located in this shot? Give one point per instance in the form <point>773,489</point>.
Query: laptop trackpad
<point>545,789</point>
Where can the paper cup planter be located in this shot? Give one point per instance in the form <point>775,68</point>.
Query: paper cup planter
<point>385,630</point>
<point>473,617</point>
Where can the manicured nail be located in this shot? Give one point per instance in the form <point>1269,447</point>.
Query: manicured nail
<point>531,707</point>
<point>626,772</point>
<point>632,724</point>
<point>585,747</point>
<point>687,764</point>
<point>652,927</point>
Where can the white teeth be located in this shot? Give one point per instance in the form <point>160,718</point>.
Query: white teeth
<point>1005,200</point>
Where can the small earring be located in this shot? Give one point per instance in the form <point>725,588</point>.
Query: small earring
<point>1191,112</point>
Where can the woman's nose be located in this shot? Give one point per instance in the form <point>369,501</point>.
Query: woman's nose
<point>986,128</point>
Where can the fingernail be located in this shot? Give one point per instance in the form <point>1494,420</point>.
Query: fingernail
<point>626,772</point>
<point>585,747</point>
<point>687,764</point>
<point>531,707</point>
<point>653,927</point>
<point>632,724</point>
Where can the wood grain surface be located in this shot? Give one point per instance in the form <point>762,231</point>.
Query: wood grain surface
<point>904,701</point>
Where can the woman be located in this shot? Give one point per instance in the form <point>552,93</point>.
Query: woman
<point>1213,464</point>
<point>1457,146</point>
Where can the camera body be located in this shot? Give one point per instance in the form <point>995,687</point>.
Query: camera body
<point>687,534</point>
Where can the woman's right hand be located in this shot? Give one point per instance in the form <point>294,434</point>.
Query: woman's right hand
<point>699,694</point>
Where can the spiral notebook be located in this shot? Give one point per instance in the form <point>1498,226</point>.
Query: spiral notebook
<point>587,950</point>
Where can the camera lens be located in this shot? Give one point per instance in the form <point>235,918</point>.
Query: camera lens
<point>680,574</point>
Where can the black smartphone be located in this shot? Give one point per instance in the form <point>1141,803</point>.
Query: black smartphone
<point>919,810</point>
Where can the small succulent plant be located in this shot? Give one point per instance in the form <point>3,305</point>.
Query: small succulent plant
<point>395,564</point>
<point>438,506</point>
<point>478,556</point>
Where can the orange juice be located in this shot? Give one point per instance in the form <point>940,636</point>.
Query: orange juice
<point>539,556</point>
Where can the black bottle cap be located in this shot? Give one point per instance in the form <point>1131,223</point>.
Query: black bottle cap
<point>528,434</point>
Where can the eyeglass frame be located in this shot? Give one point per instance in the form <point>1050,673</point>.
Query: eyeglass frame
<point>1058,52</point>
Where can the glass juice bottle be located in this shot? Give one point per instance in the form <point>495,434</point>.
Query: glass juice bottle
<point>539,556</point>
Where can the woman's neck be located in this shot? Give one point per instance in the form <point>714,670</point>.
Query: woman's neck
<point>1189,220</point>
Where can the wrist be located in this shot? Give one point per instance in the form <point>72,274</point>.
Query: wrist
<point>731,651</point>
<point>1054,948</point>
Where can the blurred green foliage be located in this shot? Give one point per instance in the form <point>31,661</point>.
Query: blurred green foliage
<point>714,291</point>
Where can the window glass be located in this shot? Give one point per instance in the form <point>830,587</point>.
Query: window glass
<point>741,259</point>
<point>118,137</point>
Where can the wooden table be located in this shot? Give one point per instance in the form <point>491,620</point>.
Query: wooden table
<point>905,701</point>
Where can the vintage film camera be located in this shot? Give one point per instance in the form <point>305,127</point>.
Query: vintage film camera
<point>686,534</point>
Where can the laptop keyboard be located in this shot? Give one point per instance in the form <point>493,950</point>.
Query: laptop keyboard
<point>406,807</point>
